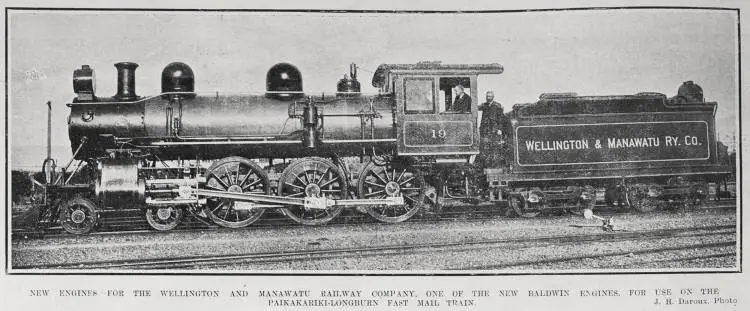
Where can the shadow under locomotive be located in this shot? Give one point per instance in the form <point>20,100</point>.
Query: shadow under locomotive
<point>226,159</point>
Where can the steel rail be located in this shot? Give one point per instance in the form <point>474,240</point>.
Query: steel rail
<point>690,258</point>
<point>137,224</point>
<point>609,254</point>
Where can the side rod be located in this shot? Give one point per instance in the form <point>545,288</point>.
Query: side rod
<point>252,197</point>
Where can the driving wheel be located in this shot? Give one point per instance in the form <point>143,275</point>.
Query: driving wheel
<point>313,177</point>
<point>238,175</point>
<point>382,181</point>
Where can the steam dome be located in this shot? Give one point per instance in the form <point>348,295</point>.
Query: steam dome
<point>284,81</point>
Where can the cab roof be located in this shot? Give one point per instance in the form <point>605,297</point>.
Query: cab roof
<point>381,75</point>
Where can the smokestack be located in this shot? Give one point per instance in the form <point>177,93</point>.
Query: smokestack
<point>126,81</point>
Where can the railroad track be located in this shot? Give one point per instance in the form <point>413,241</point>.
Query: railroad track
<point>135,223</point>
<point>326,254</point>
<point>562,259</point>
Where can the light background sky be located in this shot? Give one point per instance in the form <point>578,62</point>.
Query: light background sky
<point>600,52</point>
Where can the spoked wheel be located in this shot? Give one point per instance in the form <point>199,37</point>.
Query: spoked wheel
<point>382,181</point>
<point>78,215</point>
<point>698,195</point>
<point>521,208</point>
<point>644,198</point>
<point>165,218</point>
<point>590,202</point>
<point>646,205</point>
<point>578,205</point>
<point>238,175</point>
<point>313,177</point>
<point>640,200</point>
<point>683,205</point>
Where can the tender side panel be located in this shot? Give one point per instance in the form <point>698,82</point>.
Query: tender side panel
<point>604,146</point>
<point>638,142</point>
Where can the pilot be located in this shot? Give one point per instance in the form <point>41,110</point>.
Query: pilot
<point>491,132</point>
<point>462,102</point>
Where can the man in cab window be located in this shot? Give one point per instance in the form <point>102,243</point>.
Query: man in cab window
<point>462,101</point>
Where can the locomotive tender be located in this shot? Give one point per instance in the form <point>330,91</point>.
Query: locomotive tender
<point>390,154</point>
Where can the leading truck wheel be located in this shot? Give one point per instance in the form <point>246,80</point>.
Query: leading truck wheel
<point>78,215</point>
<point>381,181</point>
<point>313,177</point>
<point>164,218</point>
<point>240,175</point>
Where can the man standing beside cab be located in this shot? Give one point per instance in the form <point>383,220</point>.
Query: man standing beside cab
<point>492,132</point>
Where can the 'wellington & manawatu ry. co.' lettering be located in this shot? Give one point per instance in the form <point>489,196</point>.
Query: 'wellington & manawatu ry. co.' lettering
<point>611,143</point>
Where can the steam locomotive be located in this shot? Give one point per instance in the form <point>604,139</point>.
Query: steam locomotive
<point>229,158</point>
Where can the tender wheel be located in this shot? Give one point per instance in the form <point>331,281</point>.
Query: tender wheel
<point>381,181</point>
<point>235,174</point>
<point>590,192</point>
<point>164,218</point>
<point>585,198</point>
<point>640,199</point>
<point>520,207</point>
<point>312,177</point>
<point>698,195</point>
<point>78,215</point>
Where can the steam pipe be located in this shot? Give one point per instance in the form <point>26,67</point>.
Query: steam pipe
<point>78,167</point>
<point>49,130</point>
<point>80,146</point>
<point>310,122</point>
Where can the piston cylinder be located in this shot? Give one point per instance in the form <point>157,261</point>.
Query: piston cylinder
<point>119,185</point>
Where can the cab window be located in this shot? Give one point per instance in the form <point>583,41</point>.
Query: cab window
<point>419,96</point>
<point>449,91</point>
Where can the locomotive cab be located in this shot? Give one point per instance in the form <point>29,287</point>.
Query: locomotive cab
<point>433,118</point>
